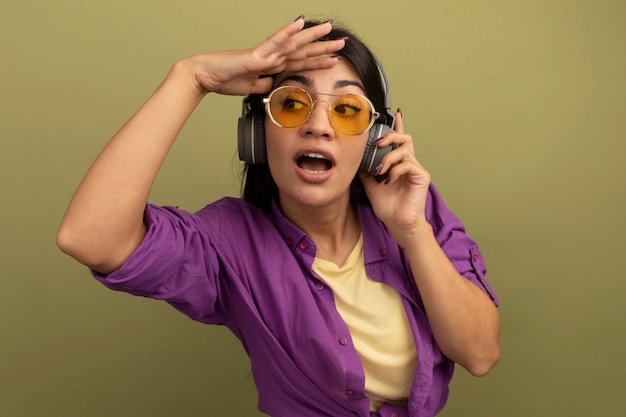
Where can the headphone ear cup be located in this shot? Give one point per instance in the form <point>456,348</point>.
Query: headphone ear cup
<point>373,154</point>
<point>251,138</point>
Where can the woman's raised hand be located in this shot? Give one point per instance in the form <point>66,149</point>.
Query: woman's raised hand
<point>245,71</point>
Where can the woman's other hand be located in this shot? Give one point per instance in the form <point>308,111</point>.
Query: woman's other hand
<point>400,200</point>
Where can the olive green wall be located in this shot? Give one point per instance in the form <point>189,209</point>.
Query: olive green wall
<point>517,109</point>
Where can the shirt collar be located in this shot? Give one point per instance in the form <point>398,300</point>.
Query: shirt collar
<point>376,241</point>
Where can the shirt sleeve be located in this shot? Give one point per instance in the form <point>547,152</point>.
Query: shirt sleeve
<point>176,262</point>
<point>462,251</point>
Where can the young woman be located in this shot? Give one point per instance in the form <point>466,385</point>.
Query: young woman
<point>351,295</point>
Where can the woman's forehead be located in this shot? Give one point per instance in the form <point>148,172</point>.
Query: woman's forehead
<point>340,76</point>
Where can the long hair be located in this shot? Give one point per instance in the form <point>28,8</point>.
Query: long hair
<point>258,186</point>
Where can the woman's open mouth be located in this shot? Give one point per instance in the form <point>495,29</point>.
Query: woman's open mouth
<point>314,163</point>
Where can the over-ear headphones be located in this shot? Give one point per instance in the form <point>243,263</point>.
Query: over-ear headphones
<point>251,131</point>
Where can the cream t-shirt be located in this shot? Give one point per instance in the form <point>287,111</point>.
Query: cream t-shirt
<point>378,324</point>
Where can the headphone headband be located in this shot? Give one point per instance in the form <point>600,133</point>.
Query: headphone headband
<point>387,98</point>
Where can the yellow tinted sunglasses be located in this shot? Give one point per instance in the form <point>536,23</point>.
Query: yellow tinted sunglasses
<point>350,114</point>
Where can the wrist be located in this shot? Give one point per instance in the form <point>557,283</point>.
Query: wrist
<point>184,75</point>
<point>416,237</point>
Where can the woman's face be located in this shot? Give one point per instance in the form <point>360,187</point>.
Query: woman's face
<point>313,164</point>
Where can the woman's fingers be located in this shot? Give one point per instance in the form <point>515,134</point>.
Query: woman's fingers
<point>401,160</point>
<point>296,49</point>
<point>292,37</point>
<point>399,123</point>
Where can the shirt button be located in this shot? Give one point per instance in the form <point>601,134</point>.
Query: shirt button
<point>475,257</point>
<point>350,393</point>
<point>319,286</point>
<point>394,415</point>
<point>343,341</point>
<point>304,245</point>
<point>383,252</point>
<point>289,242</point>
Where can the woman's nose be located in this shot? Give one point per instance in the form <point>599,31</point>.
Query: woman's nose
<point>319,122</point>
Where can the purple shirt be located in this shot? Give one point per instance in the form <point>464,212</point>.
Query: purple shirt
<point>234,265</point>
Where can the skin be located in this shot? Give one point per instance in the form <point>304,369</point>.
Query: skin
<point>103,224</point>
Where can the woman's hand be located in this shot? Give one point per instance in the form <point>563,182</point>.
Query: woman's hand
<point>246,71</point>
<point>400,200</point>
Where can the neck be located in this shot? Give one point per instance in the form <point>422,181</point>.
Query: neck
<point>335,228</point>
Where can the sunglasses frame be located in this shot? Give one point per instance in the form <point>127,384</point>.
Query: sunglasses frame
<point>374,114</point>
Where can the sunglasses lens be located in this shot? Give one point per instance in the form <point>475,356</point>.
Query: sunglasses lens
<point>290,107</point>
<point>351,114</point>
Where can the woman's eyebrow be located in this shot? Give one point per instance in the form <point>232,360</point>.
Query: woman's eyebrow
<point>298,78</point>
<point>345,83</point>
